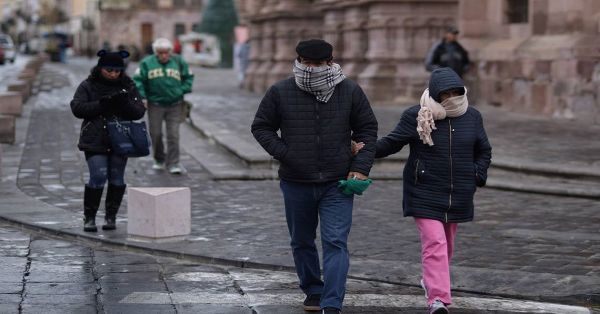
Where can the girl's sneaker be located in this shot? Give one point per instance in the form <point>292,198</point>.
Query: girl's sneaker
<point>438,307</point>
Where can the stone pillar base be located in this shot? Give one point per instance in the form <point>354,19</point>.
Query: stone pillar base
<point>280,71</point>
<point>353,69</point>
<point>259,83</point>
<point>377,80</point>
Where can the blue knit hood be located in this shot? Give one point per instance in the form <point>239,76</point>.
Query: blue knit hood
<point>443,79</point>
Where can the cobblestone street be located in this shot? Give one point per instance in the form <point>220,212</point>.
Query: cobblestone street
<point>521,246</point>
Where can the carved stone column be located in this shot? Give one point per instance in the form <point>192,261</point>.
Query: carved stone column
<point>355,41</point>
<point>416,35</point>
<point>267,51</point>
<point>291,30</point>
<point>253,7</point>
<point>332,32</point>
<point>285,42</point>
<point>292,6</point>
<point>377,79</point>
<point>269,6</point>
<point>255,34</point>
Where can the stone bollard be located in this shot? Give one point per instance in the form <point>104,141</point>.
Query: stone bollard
<point>7,129</point>
<point>11,103</point>
<point>22,87</point>
<point>34,64</point>
<point>158,213</point>
<point>27,75</point>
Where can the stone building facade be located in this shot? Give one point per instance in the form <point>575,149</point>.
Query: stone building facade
<point>137,23</point>
<point>537,56</point>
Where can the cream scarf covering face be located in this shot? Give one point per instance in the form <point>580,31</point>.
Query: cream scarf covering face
<point>431,110</point>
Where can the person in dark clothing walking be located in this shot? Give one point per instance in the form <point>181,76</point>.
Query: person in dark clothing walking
<point>449,157</point>
<point>318,112</point>
<point>107,94</point>
<point>448,53</point>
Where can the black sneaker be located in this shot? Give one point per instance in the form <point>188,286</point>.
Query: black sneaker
<point>331,310</point>
<point>312,303</point>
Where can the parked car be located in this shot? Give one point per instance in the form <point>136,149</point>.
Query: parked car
<point>10,51</point>
<point>2,60</point>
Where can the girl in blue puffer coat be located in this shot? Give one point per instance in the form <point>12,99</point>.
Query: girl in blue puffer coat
<point>449,157</point>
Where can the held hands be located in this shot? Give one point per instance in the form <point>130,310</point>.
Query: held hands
<point>356,147</point>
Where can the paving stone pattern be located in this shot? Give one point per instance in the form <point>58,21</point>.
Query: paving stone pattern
<point>47,275</point>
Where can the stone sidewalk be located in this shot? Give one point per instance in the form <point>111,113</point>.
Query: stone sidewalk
<point>521,245</point>
<point>43,274</point>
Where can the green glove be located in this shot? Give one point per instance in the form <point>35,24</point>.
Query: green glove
<point>354,186</point>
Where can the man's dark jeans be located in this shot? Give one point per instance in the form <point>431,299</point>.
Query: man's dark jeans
<point>304,203</point>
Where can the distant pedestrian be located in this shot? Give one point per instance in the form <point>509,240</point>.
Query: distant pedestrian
<point>449,157</point>
<point>318,111</point>
<point>447,52</point>
<point>107,94</point>
<point>162,79</point>
<point>243,56</point>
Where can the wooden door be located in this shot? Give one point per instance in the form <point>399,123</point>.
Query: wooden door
<point>147,37</point>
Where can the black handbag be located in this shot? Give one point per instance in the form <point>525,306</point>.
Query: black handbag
<point>129,138</point>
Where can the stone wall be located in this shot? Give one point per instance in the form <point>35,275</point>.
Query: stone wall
<point>381,44</point>
<point>547,64</point>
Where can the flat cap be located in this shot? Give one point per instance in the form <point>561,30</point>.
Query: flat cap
<point>315,49</point>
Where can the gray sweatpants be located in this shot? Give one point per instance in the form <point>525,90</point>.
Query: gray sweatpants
<point>172,116</point>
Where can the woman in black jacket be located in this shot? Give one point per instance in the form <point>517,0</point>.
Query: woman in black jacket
<point>107,94</point>
<point>449,157</point>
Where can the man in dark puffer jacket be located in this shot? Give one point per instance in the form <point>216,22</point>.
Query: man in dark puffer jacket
<point>318,112</point>
<point>449,157</point>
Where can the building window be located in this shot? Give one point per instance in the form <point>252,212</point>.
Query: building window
<point>195,27</point>
<point>179,29</point>
<point>517,11</point>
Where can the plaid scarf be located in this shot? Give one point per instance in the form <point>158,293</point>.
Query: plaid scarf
<point>319,81</point>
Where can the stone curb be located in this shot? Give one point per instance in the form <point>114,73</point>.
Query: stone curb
<point>251,155</point>
<point>261,165</point>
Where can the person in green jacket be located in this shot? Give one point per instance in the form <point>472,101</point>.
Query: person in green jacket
<point>162,79</point>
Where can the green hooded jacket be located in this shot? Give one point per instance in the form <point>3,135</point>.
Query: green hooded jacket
<point>163,84</point>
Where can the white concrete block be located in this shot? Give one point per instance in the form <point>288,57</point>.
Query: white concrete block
<point>158,212</point>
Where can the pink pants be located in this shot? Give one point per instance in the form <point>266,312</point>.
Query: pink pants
<point>437,245</point>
